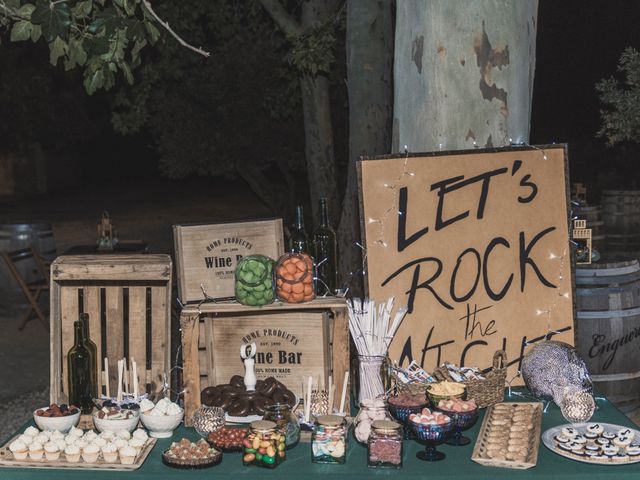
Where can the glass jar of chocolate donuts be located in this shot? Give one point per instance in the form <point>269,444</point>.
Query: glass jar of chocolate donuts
<point>254,280</point>
<point>264,445</point>
<point>294,278</point>
<point>287,423</point>
<point>384,448</point>
<point>329,440</point>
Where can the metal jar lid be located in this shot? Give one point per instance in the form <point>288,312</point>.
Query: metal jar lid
<point>386,426</point>
<point>330,420</point>
<point>263,426</point>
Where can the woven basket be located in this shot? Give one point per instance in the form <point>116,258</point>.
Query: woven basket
<point>485,392</point>
<point>416,388</point>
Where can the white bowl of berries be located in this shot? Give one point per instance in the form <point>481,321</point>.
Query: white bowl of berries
<point>57,417</point>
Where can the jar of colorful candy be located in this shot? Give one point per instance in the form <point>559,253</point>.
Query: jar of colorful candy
<point>329,440</point>
<point>384,448</point>
<point>254,280</point>
<point>263,446</point>
<point>294,278</point>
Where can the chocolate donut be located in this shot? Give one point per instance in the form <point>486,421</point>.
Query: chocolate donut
<point>259,403</point>
<point>224,401</point>
<point>284,396</point>
<point>232,391</point>
<point>239,407</point>
<point>237,381</point>
<point>209,396</point>
<point>269,387</point>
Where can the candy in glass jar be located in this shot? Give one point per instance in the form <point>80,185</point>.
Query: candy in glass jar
<point>263,446</point>
<point>286,422</point>
<point>294,278</point>
<point>370,411</point>
<point>329,440</point>
<point>254,280</point>
<point>384,448</point>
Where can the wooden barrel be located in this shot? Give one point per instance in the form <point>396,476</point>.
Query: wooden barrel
<point>22,235</point>
<point>593,215</point>
<point>608,328</point>
<point>621,214</point>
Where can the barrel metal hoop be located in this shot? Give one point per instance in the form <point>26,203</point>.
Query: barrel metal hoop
<point>630,312</point>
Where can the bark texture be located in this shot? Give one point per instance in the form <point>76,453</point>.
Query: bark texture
<point>369,70</point>
<point>463,73</point>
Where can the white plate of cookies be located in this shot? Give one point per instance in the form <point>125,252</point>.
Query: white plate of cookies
<point>598,443</point>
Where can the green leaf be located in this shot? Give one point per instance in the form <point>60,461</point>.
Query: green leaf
<point>77,53</point>
<point>21,31</point>
<point>154,33</point>
<point>135,30</point>
<point>12,4</point>
<point>126,70</point>
<point>58,48</point>
<point>36,33</point>
<point>97,46</point>
<point>93,81</point>
<point>54,19</point>
<point>130,7</point>
<point>83,9</point>
<point>26,10</point>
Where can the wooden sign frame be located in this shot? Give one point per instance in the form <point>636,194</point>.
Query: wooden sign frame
<point>406,244</point>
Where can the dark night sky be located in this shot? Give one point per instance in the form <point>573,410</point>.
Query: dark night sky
<point>579,43</point>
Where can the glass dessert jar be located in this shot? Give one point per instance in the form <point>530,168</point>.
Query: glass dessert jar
<point>370,411</point>
<point>384,448</point>
<point>329,440</point>
<point>286,422</point>
<point>254,280</point>
<point>263,446</point>
<point>294,278</point>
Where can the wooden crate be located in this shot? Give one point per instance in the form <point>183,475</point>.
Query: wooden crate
<point>207,255</point>
<point>323,321</point>
<point>128,299</point>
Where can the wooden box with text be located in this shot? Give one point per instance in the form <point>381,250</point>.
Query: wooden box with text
<point>292,341</point>
<point>207,255</point>
<point>128,299</point>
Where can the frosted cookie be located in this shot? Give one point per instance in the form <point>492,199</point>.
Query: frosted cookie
<point>595,428</point>
<point>610,451</point>
<point>590,454</point>
<point>580,439</point>
<point>566,446</point>
<point>592,448</point>
<point>622,441</point>
<point>633,451</point>
<point>603,442</point>
<point>591,437</point>
<point>626,432</point>
<point>609,435</point>
<point>570,432</point>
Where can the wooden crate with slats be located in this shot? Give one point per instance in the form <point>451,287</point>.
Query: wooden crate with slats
<point>128,299</point>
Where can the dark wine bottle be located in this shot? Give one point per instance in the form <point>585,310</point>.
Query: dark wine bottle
<point>79,371</point>
<point>93,352</point>
<point>299,239</point>
<point>325,253</point>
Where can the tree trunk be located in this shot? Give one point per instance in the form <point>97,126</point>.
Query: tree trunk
<point>463,73</point>
<point>369,68</point>
<point>318,136</point>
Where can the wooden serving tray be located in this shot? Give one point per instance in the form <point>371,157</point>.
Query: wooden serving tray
<point>480,450</point>
<point>8,461</point>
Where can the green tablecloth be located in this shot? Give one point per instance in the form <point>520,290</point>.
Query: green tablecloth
<point>298,465</point>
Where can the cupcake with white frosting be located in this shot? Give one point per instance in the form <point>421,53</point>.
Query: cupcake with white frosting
<point>127,455</point>
<point>35,451</point>
<point>110,452</point>
<point>72,453</point>
<point>90,453</point>
<point>137,443</point>
<point>31,431</point>
<point>51,451</point>
<point>19,449</point>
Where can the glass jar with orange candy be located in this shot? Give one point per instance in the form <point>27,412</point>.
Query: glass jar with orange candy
<point>294,278</point>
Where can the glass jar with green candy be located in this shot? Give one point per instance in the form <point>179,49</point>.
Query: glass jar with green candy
<point>254,280</point>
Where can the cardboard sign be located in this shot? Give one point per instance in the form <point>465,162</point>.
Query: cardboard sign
<point>476,244</point>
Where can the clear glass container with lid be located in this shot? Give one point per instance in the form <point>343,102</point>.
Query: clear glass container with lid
<point>294,278</point>
<point>384,448</point>
<point>254,280</point>
<point>286,422</point>
<point>370,411</point>
<point>264,445</point>
<point>329,440</point>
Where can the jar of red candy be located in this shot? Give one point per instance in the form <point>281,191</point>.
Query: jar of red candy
<point>294,278</point>
<point>384,447</point>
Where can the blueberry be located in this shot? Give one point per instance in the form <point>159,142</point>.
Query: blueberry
<point>108,403</point>
<point>64,407</point>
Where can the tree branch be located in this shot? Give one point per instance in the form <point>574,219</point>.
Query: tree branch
<point>286,22</point>
<point>170,30</point>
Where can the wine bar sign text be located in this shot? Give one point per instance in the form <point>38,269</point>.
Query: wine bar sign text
<point>476,245</point>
